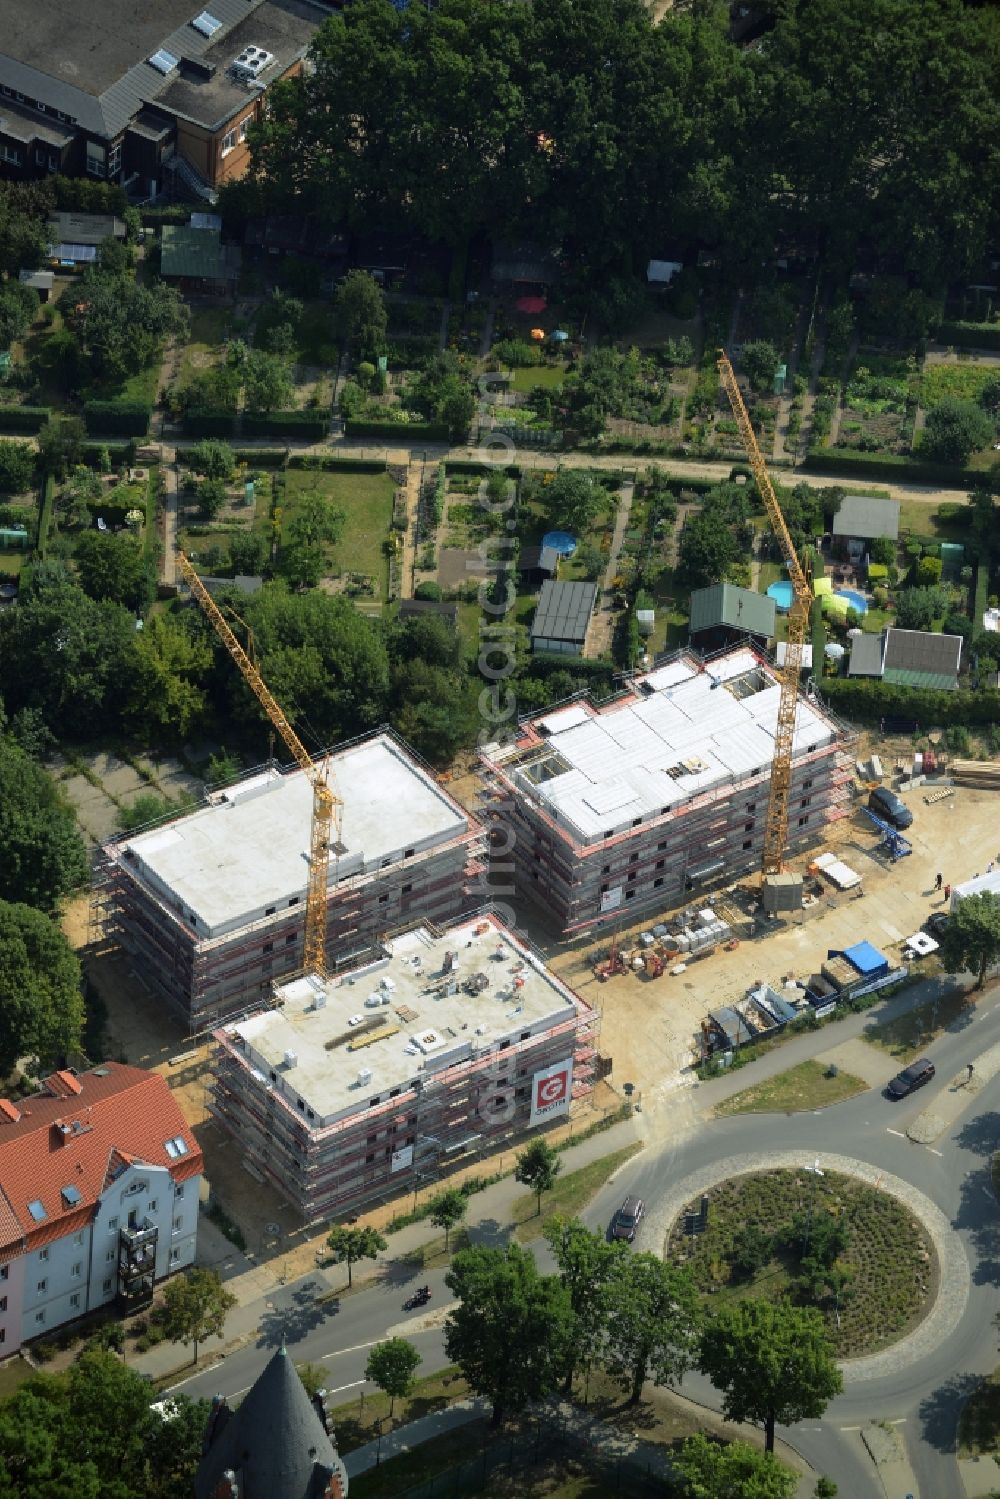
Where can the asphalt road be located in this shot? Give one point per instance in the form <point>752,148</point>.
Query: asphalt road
<point>922,1398</point>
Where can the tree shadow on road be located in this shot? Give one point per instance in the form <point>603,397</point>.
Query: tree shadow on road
<point>977,1216</point>
<point>939,1411</point>
<point>292,1317</point>
<point>981,1134</point>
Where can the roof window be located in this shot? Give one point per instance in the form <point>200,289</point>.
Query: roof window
<point>71,1196</point>
<point>163,61</point>
<point>206,24</point>
<point>37,1211</point>
<point>175,1147</point>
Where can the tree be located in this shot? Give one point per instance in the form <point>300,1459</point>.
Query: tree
<point>60,443</point>
<point>760,361</point>
<point>42,856</point>
<point>213,459</point>
<point>954,430</point>
<point>970,942</point>
<point>573,501</point>
<point>267,383</point>
<point>247,552</point>
<point>41,1005</point>
<point>772,1362</point>
<point>989,394</point>
<point>195,1306</point>
<point>211,498</point>
<point>24,240</point>
<point>707,549</point>
<point>731,1470</point>
<point>359,314</point>
<point>316,521</point>
<point>347,1245</point>
<point>18,310</point>
<point>751,1250</point>
<point>123,323</point>
<point>115,257</point>
<point>392,1365</point>
<point>917,608</point>
<point>172,662</point>
<point>589,1268</point>
<point>652,1323</point>
<point>113,566</point>
<point>537,1169</point>
<point>448,1209</point>
<point>510,1330</point>
<point>882,549</point>
<point>17,466</point>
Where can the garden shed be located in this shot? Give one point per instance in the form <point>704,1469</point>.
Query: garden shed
<point>863,517</point>
<point>725,613</point>
<point>920,658</point>
<point>197,258</point>
<point>562,617</point>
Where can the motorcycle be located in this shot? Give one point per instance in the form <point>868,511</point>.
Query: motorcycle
<point>419,1298</point>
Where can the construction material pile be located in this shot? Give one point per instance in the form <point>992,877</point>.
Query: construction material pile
<point>982,774</point>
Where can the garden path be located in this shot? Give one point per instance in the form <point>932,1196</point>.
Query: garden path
<point>602,624</point>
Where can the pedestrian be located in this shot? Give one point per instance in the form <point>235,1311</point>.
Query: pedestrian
<point>989,867</point>
<point>971,1066</point>
<point>938,881</point>
<point>947,892</point>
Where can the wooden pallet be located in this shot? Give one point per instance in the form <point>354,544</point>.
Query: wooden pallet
<point>939,796</point>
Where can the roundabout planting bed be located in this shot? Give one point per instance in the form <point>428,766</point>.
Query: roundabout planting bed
<point>830,1241</point>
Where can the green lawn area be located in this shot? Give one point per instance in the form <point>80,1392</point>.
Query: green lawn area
<point>807,1086</point>
<point>910,1034</point>
<point>14,1374</point>
<point>770,572</point>
<point>548,375</point>
<point>209,326</point>
<point>875,621</point>
<point>570,1194</point>
<point>366,500</point>
<point>979,1423</point>
<point>12,562</point>
<point>354,1422</point>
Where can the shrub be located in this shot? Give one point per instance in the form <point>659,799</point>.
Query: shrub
<point>431,592</point>
<point>929,571</point>
<point>114,417</point>
<point>209,423</point>
<point>310,425</point>
<point>954,430</point>
<point>23,418</point>
<point>886,466</point>
<point>415,431</point>
<point>517,353</point>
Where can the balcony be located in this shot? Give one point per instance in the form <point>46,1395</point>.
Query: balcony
<point>139,1237</point>
<point>137,1263</point>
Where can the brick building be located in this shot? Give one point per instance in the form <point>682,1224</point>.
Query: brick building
<point>641,803</point>
<point>211,906</point>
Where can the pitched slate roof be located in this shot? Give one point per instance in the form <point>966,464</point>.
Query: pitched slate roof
<point>195,253</point>
<point>866,656</point>
<point>64,1138</point>
<point>564,611</point>
<point>920,658</point>
<point>738,608</point>
<point>864,516</point>
<point>274,1442</point>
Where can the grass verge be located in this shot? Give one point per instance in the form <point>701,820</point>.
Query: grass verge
<point>13,1375</point>
<point>570,1194</point>
<point>807,1086</point>
<point>356,1422</point>
<point>910,1034</point>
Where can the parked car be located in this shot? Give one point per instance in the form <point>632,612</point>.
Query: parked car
<point>627,1219</point>
<point>911,1078</point>
<point>353,1020</point>
<point>937,923</point>
<point>887,805</point>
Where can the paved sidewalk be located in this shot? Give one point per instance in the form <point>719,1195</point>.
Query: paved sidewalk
<point>254,1285</point>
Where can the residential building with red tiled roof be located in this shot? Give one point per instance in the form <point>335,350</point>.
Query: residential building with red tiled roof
<point>100,1176</point>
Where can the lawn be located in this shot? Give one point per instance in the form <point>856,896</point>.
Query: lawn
<point>570,1194</point>
<point>12,562</point>
<point>13,1374</point>
<point>209,326</point>
<point>355,1421</point>
<point>807,1086</point>
<point>548,375</point>
<point>910,1034</point>
<point>366,500</point>
<point>889,1260</point>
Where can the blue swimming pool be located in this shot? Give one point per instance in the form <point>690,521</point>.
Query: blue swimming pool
<point>782,594</point>
<point>854,600</point>
<point>561,542</point>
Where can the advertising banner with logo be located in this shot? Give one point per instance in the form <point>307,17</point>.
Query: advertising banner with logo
<point>401,1158</point>
<point>611,899</point>
<point>551,1090</point>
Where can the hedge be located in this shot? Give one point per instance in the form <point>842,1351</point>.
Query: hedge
<point>969,335</point>
<point>330,461</point>
<point>45,513</point>
<point>209,423</point>
<point>480,470</point>
<point>130,417</point>
<point>403,431</point>
<point>981,597</point>
<point>309,424</point>
<point>24,418</point>
<point>888,467</point>
<point>870,701</point>
<point>262,457</point>
<point>118,452</point>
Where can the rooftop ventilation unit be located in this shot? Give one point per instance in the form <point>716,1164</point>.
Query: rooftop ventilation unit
<point>163,61</point>
<point>291,1059</point>
<point>251,63</point>
<point>206,24</point>
<point>364,1077</point>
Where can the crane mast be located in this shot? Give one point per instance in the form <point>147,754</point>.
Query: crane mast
<point>776,827</point>
<point>327,812</point>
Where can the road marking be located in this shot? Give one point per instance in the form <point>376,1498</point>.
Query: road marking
<point>850,1428</point>
<point>356,1349</point>
<point>935,1152</point>
<point>899,1421</point>
<point>341,1387</point>
<point>897,1132</point>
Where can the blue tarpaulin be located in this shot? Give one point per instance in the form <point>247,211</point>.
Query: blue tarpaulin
<point>867,959</point>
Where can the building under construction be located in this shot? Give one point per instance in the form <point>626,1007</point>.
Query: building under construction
<point>661,793</point>
<point>448,1042</point>
<point>211,906</point>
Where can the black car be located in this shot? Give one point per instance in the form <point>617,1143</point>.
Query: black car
<point>911,1078</point>
<point>627,1219</point>
<point>937,923</point>
<point>887,805</point>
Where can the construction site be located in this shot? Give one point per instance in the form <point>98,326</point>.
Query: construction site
<point>449,1043</point>
<point>211,907</point>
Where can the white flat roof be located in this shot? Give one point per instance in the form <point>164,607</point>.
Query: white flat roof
<point>430,1022</point>
<point>246,854</point>
<point>684,733</point>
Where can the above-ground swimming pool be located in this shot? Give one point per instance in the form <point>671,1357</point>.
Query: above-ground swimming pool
<point>854,600</point>
<point>561,542</point>
<point>782,593</point>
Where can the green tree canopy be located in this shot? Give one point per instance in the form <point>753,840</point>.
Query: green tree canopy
<point>730,1470</point>
<point>41,1004</point>
<point>42,856</point>
<point>60,443</point>
<point>954,430</point>
<point>212,458</point>
<point>195,1306</point>
<point>509,1332</point>
<point>18,310</point>
<point>590,1269</point>
<point>392,1366</point>
<point>347,1245</point>
<point>771,1361</point>
<point>917,608</point>
<point>17,466</point>
<point>447,1210</point>
<point>652,1325</point>
<point>537,1168</point>
<point>267,381</point>
<point>112,566</point>
<point>359,314</point>
<point>706,549</point>
<point>970,942</point>
<point>574,500</point>
<point>760,360</point>
<point>123,322</point>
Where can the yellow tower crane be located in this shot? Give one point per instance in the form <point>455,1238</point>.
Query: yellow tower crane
<point>328,809</point>
<point>776,827</point>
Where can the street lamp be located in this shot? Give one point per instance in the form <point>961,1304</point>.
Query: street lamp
<point>378,1442</point>
<point>816,1171</point>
